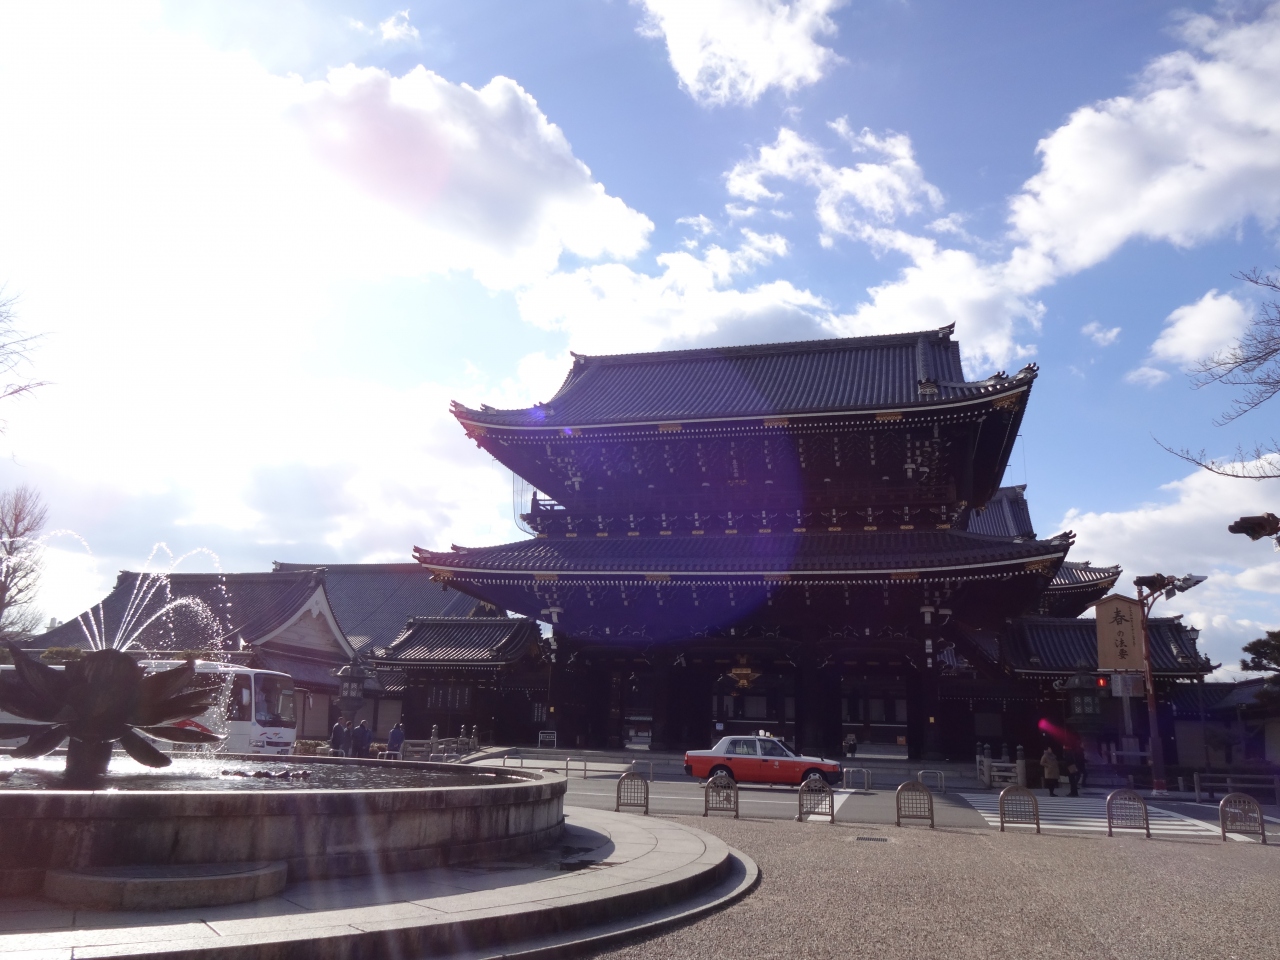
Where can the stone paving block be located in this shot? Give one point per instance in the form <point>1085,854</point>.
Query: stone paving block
<point>39,955</point>
<point>86,938</point>
<point>222,943</point>
<point>400,912</point>
<point>50,918</point>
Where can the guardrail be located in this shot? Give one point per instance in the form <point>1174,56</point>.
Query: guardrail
<point>633,791</point>
<point>1018,805</point>
<point>1126,810</point>
<point>571,765</point>
<point>914,802</point>
<point>816,800</point>
<point>848,778</point>
<point>1240,813</point>
<point>1209,783</point>
<point>939,775</point>
<point>721,795</point>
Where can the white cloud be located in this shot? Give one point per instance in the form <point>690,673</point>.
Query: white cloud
<point>207,246</point>
<point>1100,335</point>
<point>848,198</point>
<point>1187,533</point>
<point>397,28</point>
<point>1197,330</point>
<point>1195,151</point>
<point>732,51</point>
<point>610,308</point>
<point>494,181</point>
<point>700,224</point>
<point>1145,376</point>
<point>943,286</point>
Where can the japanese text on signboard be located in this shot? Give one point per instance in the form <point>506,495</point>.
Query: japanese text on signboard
<point>1119,634</point>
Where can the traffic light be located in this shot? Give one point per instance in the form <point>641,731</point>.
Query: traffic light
<point>1255,528</point>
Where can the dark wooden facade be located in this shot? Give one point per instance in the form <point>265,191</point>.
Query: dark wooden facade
<point>805,538</point>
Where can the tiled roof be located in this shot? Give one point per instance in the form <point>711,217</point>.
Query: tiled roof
<point>1077,587</point>
<point>1241,694</point>
<point>1006,514</point>
<point>1084,574</point>
<point>1058,645</point>
<point>780,379</point>
<point>461,640</point>
<point>248,604</point>
<point>1185,697</point>
<point>746,554</point>
<point>373,601</point>
<point>307,673</point>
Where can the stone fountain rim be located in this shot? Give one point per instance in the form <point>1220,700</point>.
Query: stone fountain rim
<point>532,785</point>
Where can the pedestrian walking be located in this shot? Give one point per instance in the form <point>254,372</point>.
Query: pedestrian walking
<point>1083,764</point>
<point>395,740</point>
<point>361,738</point>
<point>346,738</point>
<point>1049,761</point>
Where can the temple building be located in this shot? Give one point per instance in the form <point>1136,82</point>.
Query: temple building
<point>806,538</point>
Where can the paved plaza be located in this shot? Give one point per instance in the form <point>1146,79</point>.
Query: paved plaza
<point>878,891</point>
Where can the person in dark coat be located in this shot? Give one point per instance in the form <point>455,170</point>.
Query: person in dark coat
<point>395,740</point>
<point>338,737</point>
<point>361,738</point>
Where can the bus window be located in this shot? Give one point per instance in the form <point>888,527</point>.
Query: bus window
<point>275,701</point>
<point>240,702</point>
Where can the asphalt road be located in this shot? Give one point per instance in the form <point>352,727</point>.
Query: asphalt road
<point>684,798</point>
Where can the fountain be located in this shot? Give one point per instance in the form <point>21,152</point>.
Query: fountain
<point>228,828</point>
<point>100,699</point>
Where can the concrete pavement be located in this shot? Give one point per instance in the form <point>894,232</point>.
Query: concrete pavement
<point>960,893</point>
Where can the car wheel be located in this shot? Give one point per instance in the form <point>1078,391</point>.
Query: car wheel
<point>716,771</point>
<point>813,775</point>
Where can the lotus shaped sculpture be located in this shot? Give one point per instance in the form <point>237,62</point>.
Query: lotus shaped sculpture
<point>103,697</point>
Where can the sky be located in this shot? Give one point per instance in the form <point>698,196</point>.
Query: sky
<point>264,245</point>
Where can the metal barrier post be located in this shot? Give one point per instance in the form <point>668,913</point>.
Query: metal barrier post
<point>848,778</point>
<point>1240,813</point>
<point>1196,778</point>
<point>816,799</point>
<point>584,768</point>
<point>721,795</point>
<point>941,775</point>
<point>1126,810</point>
<point>633,791</point>
<point>1019,805</point>
<point>914,802</point>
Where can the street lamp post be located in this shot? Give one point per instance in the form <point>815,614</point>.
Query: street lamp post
<point>1150,589</point>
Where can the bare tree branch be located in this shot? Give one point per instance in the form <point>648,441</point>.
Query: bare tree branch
<point>1260,463</point>
<point>22,516</point>
<point>13,350</point>
<point>1253,361</point>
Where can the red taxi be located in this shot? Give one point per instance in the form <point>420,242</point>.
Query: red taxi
<point>758,760</point>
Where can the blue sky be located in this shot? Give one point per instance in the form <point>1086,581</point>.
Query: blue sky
<point>267,243</point>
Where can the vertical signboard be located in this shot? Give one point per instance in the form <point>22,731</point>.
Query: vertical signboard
<point>1119,633</point>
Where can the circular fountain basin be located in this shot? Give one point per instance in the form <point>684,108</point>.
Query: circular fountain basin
<point>348,817</point>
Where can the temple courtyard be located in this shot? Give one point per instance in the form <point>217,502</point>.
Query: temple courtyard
<point>860,886</point>
<point>960,892</point>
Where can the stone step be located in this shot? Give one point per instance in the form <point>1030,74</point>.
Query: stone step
<point>166,887</point>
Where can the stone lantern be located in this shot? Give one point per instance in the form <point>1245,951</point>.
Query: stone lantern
<point>1084,701</point>
<point>351,680</point>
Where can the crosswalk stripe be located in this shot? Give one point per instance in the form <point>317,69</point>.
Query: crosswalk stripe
<point>1089,814</point>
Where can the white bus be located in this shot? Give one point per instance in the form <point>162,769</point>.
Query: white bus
<point>259,716</point>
